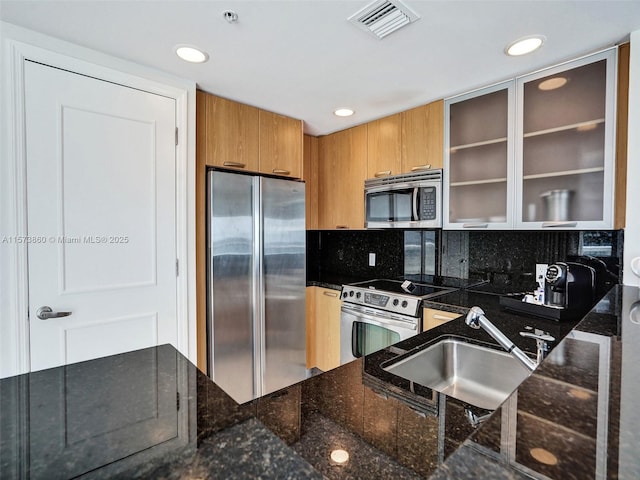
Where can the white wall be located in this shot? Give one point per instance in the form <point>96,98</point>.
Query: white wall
<point>632,229</point>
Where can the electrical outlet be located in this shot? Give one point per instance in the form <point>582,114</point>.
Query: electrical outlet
<point>541,270</point>
<point>372,259</point>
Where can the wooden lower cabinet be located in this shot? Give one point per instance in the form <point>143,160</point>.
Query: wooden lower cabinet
<point>323,328</point>
<point>432,318</point>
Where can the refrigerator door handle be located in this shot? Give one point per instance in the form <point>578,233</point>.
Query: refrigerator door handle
<point>258,289</point>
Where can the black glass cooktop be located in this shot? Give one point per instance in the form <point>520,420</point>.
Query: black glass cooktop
<point>406,288</point>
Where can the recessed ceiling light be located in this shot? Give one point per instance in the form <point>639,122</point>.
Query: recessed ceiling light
<point>552,83</point>
<point>339,456</point>
<point>524,45</point>
<point>343,112</point>
<point>191,54</point>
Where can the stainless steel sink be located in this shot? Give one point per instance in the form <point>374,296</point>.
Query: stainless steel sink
<point>475,374</point>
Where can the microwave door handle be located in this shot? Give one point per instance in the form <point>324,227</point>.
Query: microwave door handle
<point>415,204</point>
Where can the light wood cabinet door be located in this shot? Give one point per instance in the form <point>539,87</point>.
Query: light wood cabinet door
<point>423,137</point>
<point>327,328</point>
<point>311,327</point>
<point>342,171</point>
<point>310,176</point>
<point>384,147</point>
<point>229,135</point>
<point>280,145</point>
<point>432,318</point>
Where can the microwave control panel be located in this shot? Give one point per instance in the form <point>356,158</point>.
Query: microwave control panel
<point>428,203</point>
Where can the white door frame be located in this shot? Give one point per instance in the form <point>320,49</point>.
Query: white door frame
<point>17,45</point>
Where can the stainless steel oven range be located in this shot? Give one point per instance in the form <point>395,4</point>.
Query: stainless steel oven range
<point>378,313</point>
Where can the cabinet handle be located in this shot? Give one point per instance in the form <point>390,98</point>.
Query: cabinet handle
<point>330,294</point>
<point>386,173</point>
<point>558,224</point>
<point>441,317</point>
<point>280,171</point>
<point>421,167</point>
<point>475,225</point>
<point>342,227</point>
<point>234,164</point>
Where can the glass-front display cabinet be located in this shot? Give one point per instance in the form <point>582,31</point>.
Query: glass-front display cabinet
<point>565,145</point>
<point>537,152</point>
<point>478,159</point>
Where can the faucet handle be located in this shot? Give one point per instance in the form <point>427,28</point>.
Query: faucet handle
<point>538,335</point>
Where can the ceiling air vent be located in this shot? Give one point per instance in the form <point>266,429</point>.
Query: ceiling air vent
<point>383,17</point>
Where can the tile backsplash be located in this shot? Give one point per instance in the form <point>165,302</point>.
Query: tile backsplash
<point>346,253</point>
<point>499,256</point>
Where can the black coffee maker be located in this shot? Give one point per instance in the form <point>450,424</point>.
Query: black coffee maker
<point>570,286</point>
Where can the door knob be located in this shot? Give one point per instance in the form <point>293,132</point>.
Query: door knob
<point>44,313</point>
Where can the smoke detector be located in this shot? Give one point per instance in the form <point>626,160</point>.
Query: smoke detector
<point>383,17</point>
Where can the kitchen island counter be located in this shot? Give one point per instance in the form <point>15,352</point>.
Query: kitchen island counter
<point>151,414</point>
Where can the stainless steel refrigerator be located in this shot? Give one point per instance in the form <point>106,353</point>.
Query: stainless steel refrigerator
<point>256,283</point>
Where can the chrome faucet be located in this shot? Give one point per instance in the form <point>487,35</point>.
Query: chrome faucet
<point>476,319</point>
<point>542,342</point>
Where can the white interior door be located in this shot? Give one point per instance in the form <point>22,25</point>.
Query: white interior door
<point>101,216</point>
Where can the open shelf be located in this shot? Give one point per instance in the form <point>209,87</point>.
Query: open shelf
<point>574,126</point>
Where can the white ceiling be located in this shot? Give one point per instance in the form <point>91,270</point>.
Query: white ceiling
<point>302,58</point>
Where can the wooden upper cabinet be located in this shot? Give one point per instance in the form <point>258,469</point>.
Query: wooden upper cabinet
<point>280,145</point>
<point>229,134</point>
<point>310,170</point>
<point>423,137</point>
<point>384,146</point>
<point>342,170</point>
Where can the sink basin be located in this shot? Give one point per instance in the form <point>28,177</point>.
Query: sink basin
<point>475,374</point>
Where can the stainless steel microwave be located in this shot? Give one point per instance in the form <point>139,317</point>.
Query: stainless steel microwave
<point>411,200</point>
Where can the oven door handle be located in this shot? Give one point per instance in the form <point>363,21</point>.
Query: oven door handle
<point>387,322</point>
<point>354,344</point>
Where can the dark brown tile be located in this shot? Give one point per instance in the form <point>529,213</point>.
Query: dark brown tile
<point>218,410</point>
<point>575,362</point>
<point>417,440</point>
<point>565,454</point>
<point>489,435</point>
<point>561,403</point>
<point>381,422</point>
<point>457,428</point>
<point>280,412</point>
<point>339,395</point>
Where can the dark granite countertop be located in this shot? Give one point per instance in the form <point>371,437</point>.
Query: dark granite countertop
<point>152,414</point>
<point>575,416</point>
<point>335,281</point>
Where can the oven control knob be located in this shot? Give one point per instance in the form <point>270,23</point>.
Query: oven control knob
<point>358,294</point>
<point>351,293</point>
<point>404,304</point>
<point>344,294</point>
<point>395,302</point>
